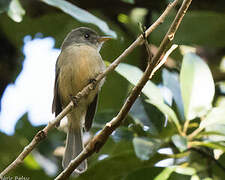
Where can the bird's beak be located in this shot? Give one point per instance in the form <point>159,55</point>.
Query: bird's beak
<point>104,38</point>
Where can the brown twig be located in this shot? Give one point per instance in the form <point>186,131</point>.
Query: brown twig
<point>98,141</point>
<point>37,138</point>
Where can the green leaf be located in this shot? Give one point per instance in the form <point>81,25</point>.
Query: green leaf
<point>122,133</point>
<point>185,170</point>
<point>197,86</point>
<point>171,80</point>
<point>178,169</point>
<point>141,117</point>
<point>165,174</point>
<point>119,165</point>
<point>16,11</point>
<point>101,118</point>
<point>30,162</point>
<point>195,177</point>
<point>11,146</point>
<point>165,109</point>
<point>24,128</point>
<point>133,75</point>
<point>215,132</point>
<point>215,116</point>
<point>80,14</point>
<point>195,20</point>
<point>215,122</point>
<point>180,142</point>
<point>143,173</point>
<point>213,145</point>
<point>145,148</point>
<point>128,1</point>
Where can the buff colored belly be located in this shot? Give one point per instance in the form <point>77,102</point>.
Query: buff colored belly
<point>78,67</point>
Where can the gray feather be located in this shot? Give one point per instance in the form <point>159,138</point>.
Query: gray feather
<point>56,105</point>
<point>74,146</point>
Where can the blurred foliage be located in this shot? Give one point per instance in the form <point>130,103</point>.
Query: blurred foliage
<point>189,121</point>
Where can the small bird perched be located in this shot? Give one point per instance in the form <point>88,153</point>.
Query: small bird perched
<point>77,65</point>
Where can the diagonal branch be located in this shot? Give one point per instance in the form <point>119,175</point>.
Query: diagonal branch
<point>99,140</point>
<point>43,133</point>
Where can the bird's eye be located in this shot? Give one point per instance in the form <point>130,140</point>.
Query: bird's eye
<point>86,36</point>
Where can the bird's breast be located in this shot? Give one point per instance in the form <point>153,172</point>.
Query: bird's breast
<point>78,65</point>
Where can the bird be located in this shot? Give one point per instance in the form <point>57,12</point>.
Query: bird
<point>77,65</point>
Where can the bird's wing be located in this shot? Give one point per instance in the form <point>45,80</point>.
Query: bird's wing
<point>91,113</point>
<point>56,105</point>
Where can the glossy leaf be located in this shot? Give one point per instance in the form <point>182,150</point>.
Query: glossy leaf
<point>158,120</point>
<point>80,14</point>
<point>16,11</point>
<point>197,86</point>
<point>165,109</point>
<point>145,148</point>
<point>133,75</point>
<point>116,166</point>
<point>213,145</point>
<point>178,169</point>
<point>215,116</point>
<point>195,177</point>
<point>180,142</point>
<point>215,132</point>
<point>185,170</point>
<point>140,115</point>
<point>128,1</point>
<point>171,80</point>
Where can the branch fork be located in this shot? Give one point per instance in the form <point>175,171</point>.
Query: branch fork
<point>99,140</point>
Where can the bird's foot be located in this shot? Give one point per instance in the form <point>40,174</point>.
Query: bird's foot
<point>74,100</point>
<point>94,82</point>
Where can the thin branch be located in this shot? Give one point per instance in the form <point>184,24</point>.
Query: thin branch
<point>164,59</point>
<point>99,140</point>
<point>43,133</point>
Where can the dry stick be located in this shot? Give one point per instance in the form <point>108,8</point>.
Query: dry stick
<point>43,133</point>
<point>164,59</point>
<point>98,141</point>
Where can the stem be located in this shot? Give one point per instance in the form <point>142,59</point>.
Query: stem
<point>186,124</point>
<point>43,133</point>
<point>99,140</point>
<point>195,133</point>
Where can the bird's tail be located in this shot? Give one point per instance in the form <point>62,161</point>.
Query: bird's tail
<point>74,145</point>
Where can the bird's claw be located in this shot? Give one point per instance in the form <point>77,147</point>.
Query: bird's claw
<point>94,82</point>
<point>74,100</point>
